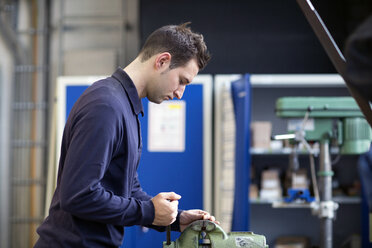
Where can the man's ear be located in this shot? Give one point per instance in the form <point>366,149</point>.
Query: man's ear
<point>162,60</point>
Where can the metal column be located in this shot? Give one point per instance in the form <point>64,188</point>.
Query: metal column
<point>5,116</point>
<point>325,173</point>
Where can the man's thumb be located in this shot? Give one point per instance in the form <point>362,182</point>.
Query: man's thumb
<point>172,196</point>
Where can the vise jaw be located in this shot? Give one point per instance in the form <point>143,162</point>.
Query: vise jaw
<point>207,234</point>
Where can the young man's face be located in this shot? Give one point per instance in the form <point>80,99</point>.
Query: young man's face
<point>171,83</point>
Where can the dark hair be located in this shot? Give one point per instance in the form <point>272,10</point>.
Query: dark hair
<point>182,43</point>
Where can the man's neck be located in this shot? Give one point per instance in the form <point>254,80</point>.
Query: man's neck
<point>136,70</point>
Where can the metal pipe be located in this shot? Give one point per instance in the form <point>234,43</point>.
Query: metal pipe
<point>326,228</point>
<point>39,82</point>
<point>5,158</point>
<point>6,98</point>
<point>10,39</point>
<point>34,123</point>
<point>20,166</point>
<point>61,23</point>
<point>45,81</point>
<point>325,193</point>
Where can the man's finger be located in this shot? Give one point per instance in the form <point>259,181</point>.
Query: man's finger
<point>207,217</point>
<point>202,212</point>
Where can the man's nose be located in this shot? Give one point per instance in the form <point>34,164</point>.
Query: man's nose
<point>179,92</point>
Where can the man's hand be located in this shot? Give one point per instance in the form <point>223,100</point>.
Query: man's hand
<point>166,206</point>
<point>189,216</point>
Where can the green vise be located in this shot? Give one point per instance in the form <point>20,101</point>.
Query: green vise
<point>333,118</point>
<point>204,233</point>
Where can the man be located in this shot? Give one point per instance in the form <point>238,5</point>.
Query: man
<point>98,192</point>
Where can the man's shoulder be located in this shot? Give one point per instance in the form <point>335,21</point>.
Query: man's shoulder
<point>108,84</point>
<point>107,90</point>
<point>102,97</point>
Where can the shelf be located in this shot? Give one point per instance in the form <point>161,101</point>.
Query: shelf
<point>286,151</point>
<point>280,203</point>
<point>347,199</point>
<point>297,80</point>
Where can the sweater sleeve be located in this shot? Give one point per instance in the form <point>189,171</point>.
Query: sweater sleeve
<point>137,191</point>
<point>175,226</point>
<point>92,141</point>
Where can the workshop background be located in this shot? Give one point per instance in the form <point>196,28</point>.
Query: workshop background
<point>42,40</point>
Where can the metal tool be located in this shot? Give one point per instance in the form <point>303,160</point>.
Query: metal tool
<point>334,120</point>
<point>168,228</point>
<point>207,234</point>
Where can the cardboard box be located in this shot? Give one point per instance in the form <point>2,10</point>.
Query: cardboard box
<point>299,180</point>
<point>270,185</point>
<point>270,179</point>
<point>253,191</point>
<point>261,134</point>
<point>271,194</point>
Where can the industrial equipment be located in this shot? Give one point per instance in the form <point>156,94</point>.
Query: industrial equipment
<point>207,234</point>
<point>331,121</point>
<point>337,119</point>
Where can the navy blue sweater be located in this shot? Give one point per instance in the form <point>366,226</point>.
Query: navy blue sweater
<point>98,192</point>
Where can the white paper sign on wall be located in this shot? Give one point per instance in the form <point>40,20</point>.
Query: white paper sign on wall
<point>166,126</point>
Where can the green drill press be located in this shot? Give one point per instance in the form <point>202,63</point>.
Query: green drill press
<point>333,120</point>
<point>336,119</point>
<point>207,234</point>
